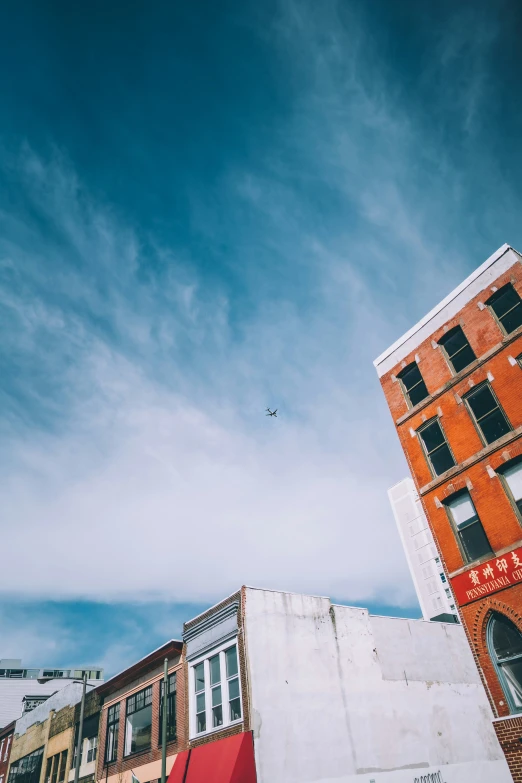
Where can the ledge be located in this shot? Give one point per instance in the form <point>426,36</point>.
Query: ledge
<point>510,437</point>
<point>459,376</point>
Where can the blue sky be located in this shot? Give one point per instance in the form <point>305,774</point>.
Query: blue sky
<point>205,209</point>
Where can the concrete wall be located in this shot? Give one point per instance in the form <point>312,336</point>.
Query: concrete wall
<point>12,692</point>
<point>338,696</point>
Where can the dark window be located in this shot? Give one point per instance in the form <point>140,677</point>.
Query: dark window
<point>436,447</point>
<point>458,350</point>
<point>507,306</point>
<point>138,728</point>
<point>63,764</point>
<point>413,383</point>
<point>505,649</point>
<point>27,769</point>
<point>512,476</point>
<point>488,414</point>
<point>468,526</point>
<point>113,727</point>
<point>171,708</point>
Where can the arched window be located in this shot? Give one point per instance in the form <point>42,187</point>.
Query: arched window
<point>505,648</point>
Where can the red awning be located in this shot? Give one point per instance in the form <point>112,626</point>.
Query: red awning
<point>229,760</point>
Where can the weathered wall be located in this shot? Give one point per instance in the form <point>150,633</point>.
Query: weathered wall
<point>338,695</point>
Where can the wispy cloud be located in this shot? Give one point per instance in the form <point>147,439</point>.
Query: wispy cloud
<point>136,461</point>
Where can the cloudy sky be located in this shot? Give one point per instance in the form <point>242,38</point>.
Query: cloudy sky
<point>207,208</point>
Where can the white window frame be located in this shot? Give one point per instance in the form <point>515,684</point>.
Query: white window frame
<point>219,650</point>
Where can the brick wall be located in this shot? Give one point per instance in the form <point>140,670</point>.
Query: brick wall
<point>134,761</point>
<point>244,725</point>
<point>509,733</point>
<point>7,735</point>
<point>501,521</point>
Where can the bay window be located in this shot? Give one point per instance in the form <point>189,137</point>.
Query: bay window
<point>215,691</point>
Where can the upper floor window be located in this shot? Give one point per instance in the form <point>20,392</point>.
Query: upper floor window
<point>113,728</point>
<point>458,350</point>
<point>138,721</point>
<point>55,772</point>
<point>505,648</point>
<point>489,416</point>
<point>436,447</point>
<point>171,708</point>
<point>27,769</point>
<point>507,306</point>
<point>468,527</point>
<point>512,476</point>
<point>413,383</point>
<point>216,693</point>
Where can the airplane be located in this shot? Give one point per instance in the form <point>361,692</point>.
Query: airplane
<point>272,413</point>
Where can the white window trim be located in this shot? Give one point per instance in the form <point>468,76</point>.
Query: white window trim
<point>208,696</point>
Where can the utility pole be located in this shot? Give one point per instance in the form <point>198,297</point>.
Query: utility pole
<point>80,732</point>
<point>163,724</point>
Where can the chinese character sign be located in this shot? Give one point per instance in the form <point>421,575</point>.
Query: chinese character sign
<point>490,577</point>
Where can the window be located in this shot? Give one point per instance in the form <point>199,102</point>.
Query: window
<point>489,416</point>
<point>171,708</point>
<point>216,697</point>
<point>27,769</point>
<point>55,771</point>
<point>512,477</point>
<point>92,747</point>
<point>468,527</point>
<point>413,383</point>
<point>10,737</point>
<point>113,727</point>
<point>436,447</point>
<point>507,306</point>
<point>519,359</point>
<point>505,648</point>
<point>457,348</point>
<point>138,724</point>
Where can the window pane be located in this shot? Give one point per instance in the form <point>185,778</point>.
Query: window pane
<point>482,401</point>
<point>199,677</point>
<point>513,319</point>
<point>494,426</point>
<point>215,670</point>
<point>233,689</point>
<point>201,722</point>
<point>432,436</point>
<point>235,709</point>
<point>507,639</point>
<point>138,730</point>
<point>231,655</point>
<point>200,702</point>
<point>513,477</point>
<point>413,383</point>
<point>216,695</point>
<point>462,509</point>
<point>504,300</point>
<point>217,716</point>
<point>513,677</point>
<point>474,541</point>
<point>463,358</point>
<point>442,459</point>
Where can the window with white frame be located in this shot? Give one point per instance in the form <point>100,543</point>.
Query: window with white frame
<point>215,691</point>
<point>512,476</point>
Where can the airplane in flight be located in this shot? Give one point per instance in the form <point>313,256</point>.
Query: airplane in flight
<point>272,413</point>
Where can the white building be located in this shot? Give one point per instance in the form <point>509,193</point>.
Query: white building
<point>22,688</point>
<point>331,694</point>
<point>433,590</point>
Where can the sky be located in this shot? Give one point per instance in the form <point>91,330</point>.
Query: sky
<point>207,209</point>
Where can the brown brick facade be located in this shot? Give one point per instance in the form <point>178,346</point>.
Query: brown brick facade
<point>244,725</point>
<point>133,761</point>
<point>476,467</point>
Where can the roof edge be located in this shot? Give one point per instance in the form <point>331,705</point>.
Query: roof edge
<point>454,293</point>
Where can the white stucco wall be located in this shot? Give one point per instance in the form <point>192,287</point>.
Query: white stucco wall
<point>338,696</point>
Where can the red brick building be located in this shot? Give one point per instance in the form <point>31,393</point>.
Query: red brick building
<point>6,741</point>
<point>453,384</point>
<point>130,733</point>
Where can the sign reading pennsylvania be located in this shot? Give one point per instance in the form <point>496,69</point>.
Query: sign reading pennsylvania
<point>497,574</point>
